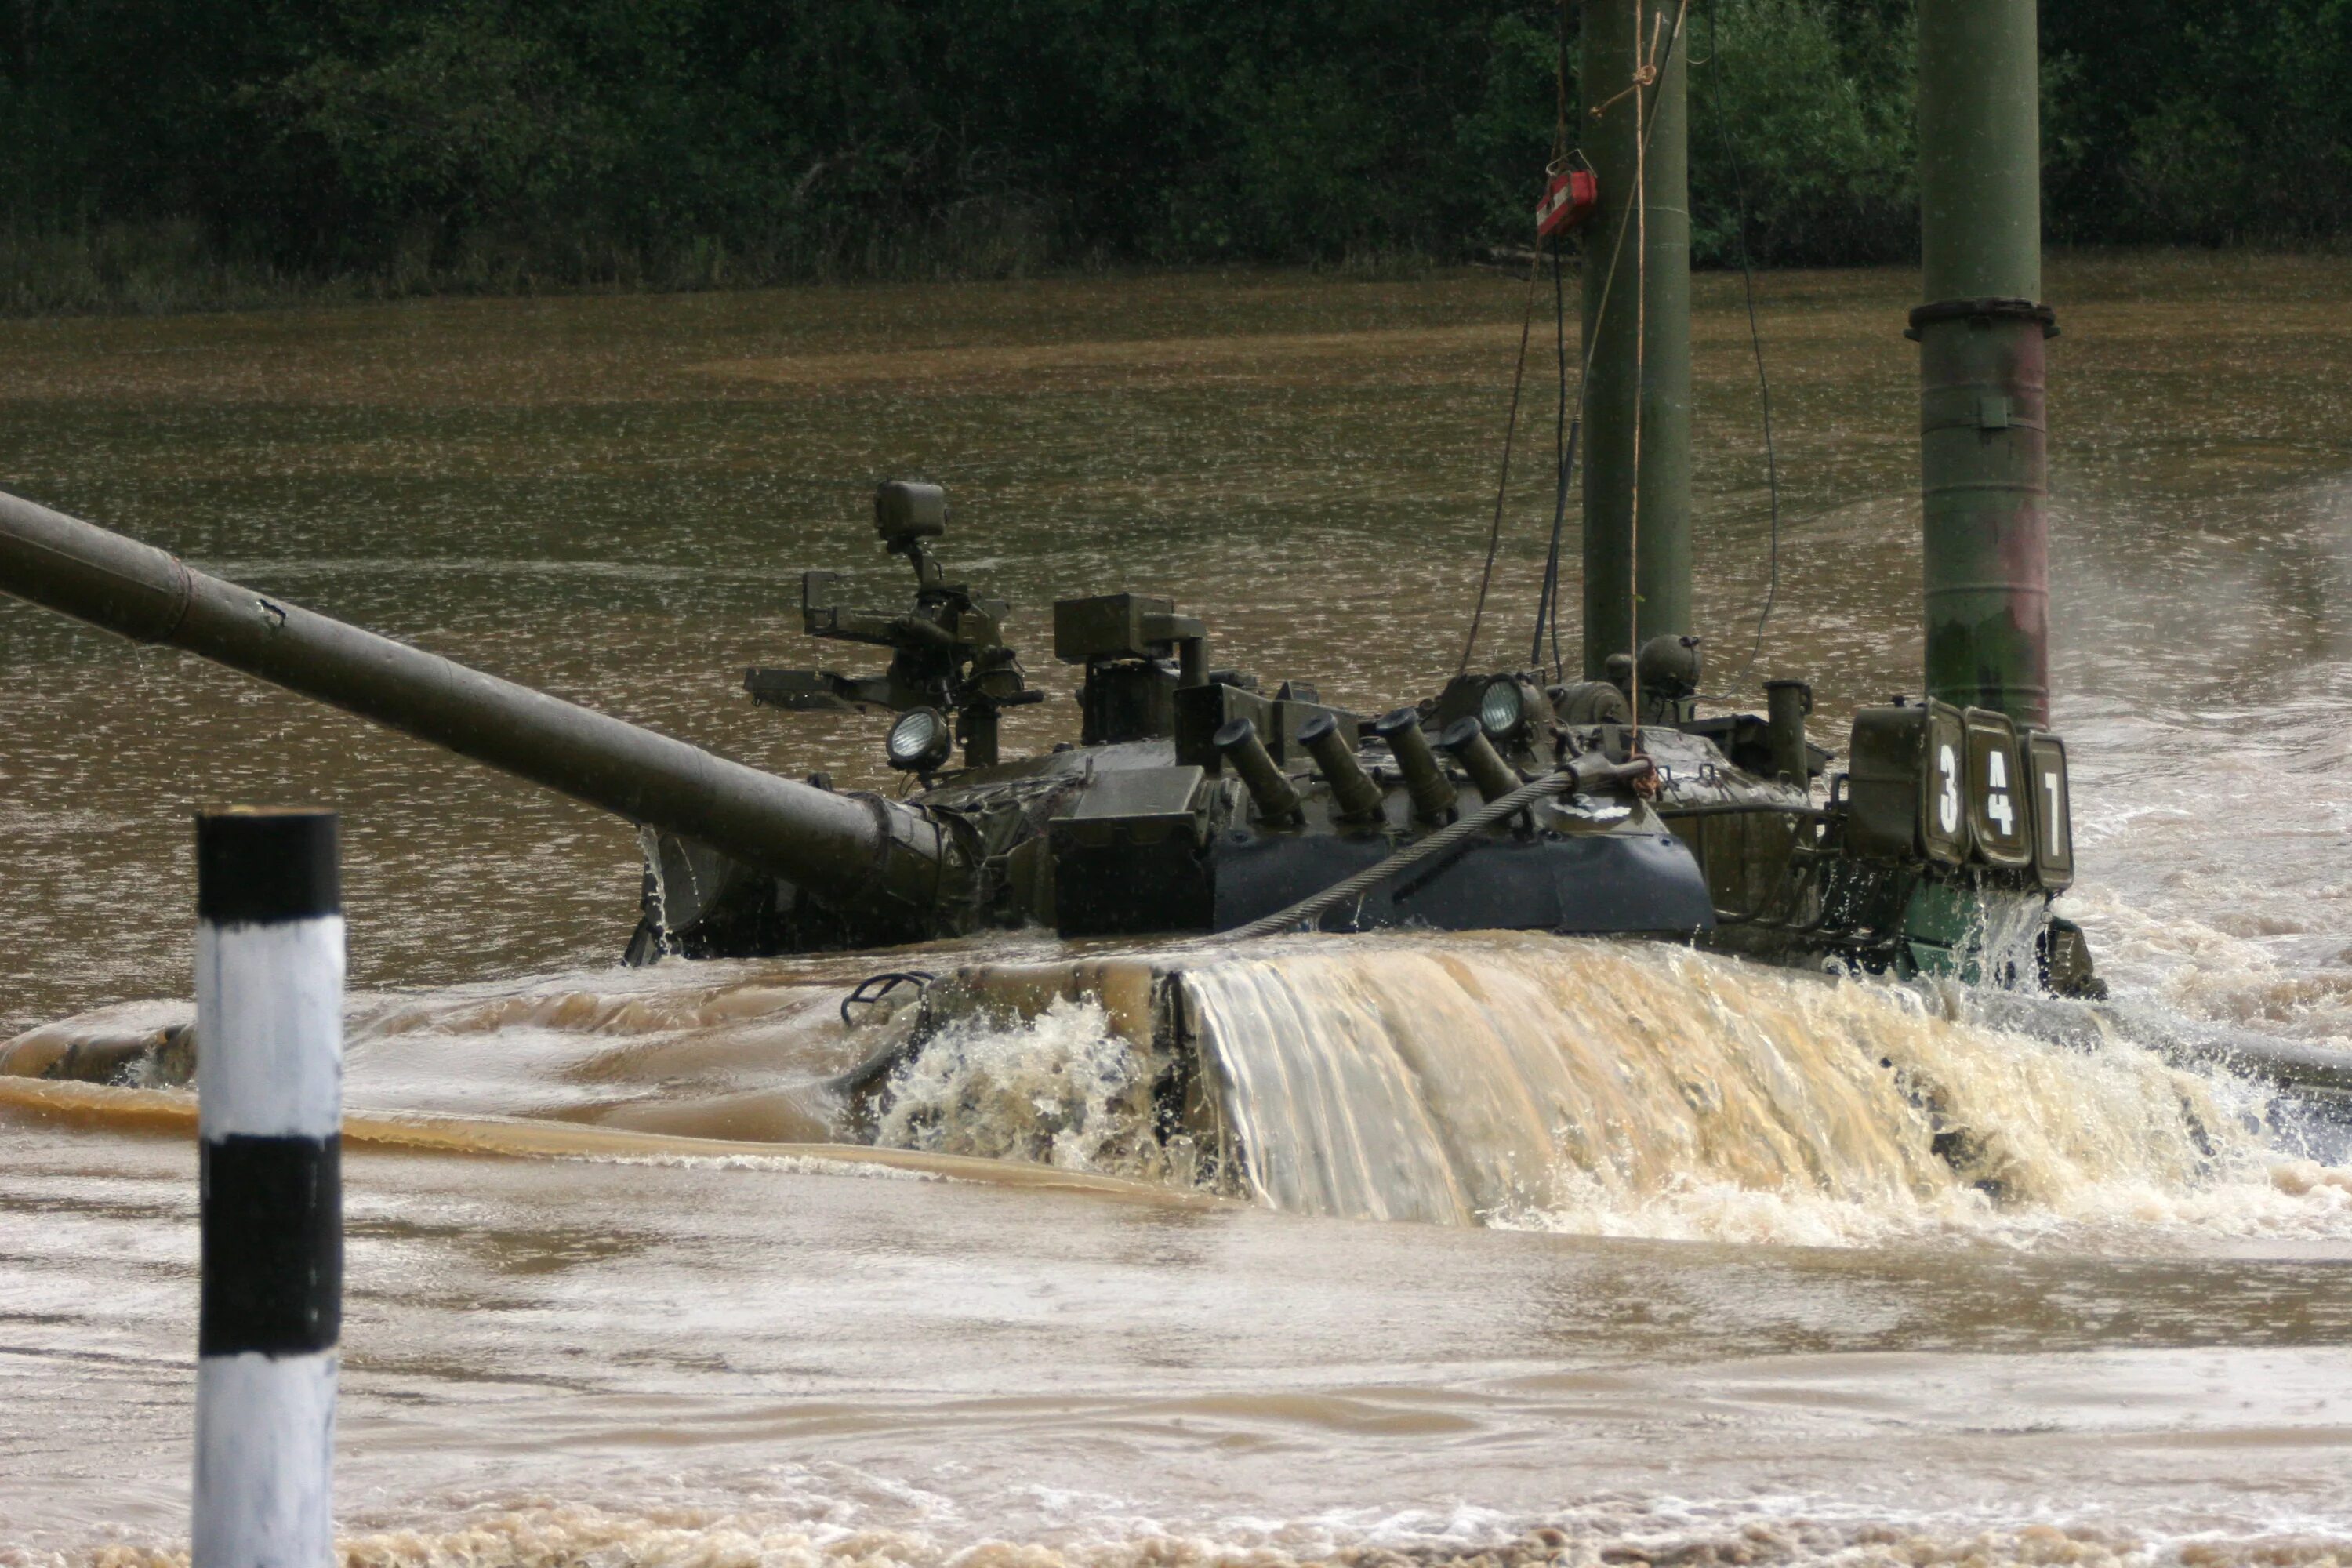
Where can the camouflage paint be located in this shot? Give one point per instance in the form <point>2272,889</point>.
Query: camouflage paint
<point>1984,465</point>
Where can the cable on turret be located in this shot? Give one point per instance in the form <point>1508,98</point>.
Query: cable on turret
<point>1584,773</point>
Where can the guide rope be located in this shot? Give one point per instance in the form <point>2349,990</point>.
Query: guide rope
<point>1503,484</point>
<point>1519,376</point>
<point>1565,433</point>
<point>1755,332</point>
<point>1563,436</point>
<point>1644,75</point>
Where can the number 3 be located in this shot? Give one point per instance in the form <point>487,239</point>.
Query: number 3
<point>1947,804</point>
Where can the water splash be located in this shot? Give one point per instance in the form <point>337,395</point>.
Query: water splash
<point>1060,1089</point>
<point>1613,1088</point>
<point>1510,1081</point>
<point>1617,1088</point>
<point>655,897</point>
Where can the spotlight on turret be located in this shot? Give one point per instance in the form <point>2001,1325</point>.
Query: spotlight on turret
<point>1502,710</point>
<point>920,741</point>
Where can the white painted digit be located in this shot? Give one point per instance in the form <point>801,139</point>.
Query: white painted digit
<point>1997,806</point>
<point>1948,806</point>
<point>2050,787</point>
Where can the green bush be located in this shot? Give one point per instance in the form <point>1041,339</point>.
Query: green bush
<point>155,153</point>
<point>1809,113</point>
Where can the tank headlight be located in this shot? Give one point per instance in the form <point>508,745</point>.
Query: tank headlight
<point>920,741</point>
<point>1501,709</point>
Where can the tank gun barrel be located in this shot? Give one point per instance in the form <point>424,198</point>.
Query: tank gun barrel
<point>861,853</point>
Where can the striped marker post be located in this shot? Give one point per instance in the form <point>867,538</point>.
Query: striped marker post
<point>269,1082</point>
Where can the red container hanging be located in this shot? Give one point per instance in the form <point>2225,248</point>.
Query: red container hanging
<point>1568,199</point>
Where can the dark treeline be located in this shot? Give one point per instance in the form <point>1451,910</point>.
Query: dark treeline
<point>155,150</point>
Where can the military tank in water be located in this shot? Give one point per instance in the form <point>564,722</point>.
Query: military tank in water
<point>1196,800</point>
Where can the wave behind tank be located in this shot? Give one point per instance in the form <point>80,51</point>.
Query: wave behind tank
<point>1623,1089</point>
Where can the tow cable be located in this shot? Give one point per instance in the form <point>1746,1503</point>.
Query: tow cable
<point>1582,773</point>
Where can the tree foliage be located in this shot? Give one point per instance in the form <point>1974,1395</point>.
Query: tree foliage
<point>682,141</point>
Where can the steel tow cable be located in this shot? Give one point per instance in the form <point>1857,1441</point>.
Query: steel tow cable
<point>1491,815</point>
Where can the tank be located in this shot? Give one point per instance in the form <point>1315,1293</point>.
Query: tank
<point>1192,804</point>
<point>1194,799</point>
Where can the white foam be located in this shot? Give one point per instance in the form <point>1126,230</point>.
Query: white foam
<point>1530,1082</point>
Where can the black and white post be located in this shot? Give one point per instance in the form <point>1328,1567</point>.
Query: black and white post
<point>270,1083</point>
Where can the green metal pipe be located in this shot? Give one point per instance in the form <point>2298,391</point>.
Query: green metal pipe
<point>1983,442</point>
<point>1626,600</point>
<point>864,854</point>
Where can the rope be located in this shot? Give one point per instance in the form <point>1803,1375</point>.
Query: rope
<point>1503,484</point>
<point>1584,366</point>
<point>1644,75</point>
<point>1564,450</point>
<point>1547,604</point>
<point>1559,82</point>
<point>1641,374</point>
<point>1527,323</point>
<point>1755,332</point>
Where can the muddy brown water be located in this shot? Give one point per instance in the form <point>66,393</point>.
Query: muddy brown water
<point>1785,1337</point>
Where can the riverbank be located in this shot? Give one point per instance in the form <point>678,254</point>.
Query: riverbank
<point>174,269</point>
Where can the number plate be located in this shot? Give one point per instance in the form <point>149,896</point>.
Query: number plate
<point>2053,812</point>
<point>2001,813</point>
<point>1906,785</point>
<point>1943,797</point>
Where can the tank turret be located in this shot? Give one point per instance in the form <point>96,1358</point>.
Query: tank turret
<point>1199,799</point>
<point>1194,803</point>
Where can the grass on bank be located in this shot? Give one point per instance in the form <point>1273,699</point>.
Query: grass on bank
<point>175,268</point>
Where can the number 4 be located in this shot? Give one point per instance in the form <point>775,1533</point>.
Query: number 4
<point>1997,803</point>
